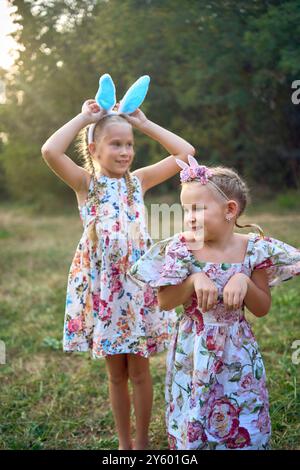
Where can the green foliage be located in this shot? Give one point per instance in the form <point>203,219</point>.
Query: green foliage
<point>221,77</point>
<point>52,343</point>
<point>289,200</point>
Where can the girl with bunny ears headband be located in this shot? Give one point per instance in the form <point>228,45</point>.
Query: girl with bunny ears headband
<point>105,312</point>
<point>106,98</point>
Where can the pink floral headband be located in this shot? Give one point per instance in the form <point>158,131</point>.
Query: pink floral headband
<point>196,172</point>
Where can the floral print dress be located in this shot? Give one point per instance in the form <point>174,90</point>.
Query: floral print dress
<point>106,312</point>
<point>216,383</point>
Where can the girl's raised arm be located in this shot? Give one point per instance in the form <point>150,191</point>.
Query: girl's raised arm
<point>53,150</point>
<point>176,146</point>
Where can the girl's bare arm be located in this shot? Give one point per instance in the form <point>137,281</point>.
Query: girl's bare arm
<point>53,150</point>
<point>205,289</point>
<point>171,296</point>
<point>258,298</point>
<point>176,146</point>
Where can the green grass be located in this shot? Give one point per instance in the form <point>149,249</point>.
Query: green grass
<point>50,399</point>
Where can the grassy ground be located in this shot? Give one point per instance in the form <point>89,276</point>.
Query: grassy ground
<point>53,400</point>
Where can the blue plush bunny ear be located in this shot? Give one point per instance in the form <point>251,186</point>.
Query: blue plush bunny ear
<point>106,94</point>
<point>135,95</point>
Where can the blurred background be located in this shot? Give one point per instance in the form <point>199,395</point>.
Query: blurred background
<point>222,75</point>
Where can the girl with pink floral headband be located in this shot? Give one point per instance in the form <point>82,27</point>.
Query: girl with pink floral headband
<point>216,390</point>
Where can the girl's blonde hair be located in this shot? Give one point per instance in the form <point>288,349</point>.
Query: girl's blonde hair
<point>89,165</point>
<point>233,187</point>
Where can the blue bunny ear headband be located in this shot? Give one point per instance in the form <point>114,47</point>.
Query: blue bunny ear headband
<point>106,98</point>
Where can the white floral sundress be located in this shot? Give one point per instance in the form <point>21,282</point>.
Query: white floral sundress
<point>216,391</point>
<point>106,312</point>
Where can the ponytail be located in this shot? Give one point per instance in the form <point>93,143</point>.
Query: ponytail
<point>257,227</point>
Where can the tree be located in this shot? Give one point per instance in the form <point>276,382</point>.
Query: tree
<point>221,75</point>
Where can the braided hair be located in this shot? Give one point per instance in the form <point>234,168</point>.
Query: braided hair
<point>90,165</point>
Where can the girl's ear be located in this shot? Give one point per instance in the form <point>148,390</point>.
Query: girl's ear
<point>134,96</point>
<point>232,208</point>
<point>92,147</point>
<point>106,94</point>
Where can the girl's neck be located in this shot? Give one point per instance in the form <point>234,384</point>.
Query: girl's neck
<point>109,175</point>
<point>220,243</point>
<point>230,249</point>
<point>212,245</point>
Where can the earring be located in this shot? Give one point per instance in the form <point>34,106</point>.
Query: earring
<point>227,218</point>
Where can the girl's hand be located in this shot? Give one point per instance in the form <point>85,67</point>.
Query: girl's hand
<point>136,119</point>
<point>206,291</point>
<point>235,291</point>
<point>92,111</point>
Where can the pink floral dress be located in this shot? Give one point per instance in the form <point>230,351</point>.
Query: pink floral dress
<point>216,383</point>
<point>106,312</point>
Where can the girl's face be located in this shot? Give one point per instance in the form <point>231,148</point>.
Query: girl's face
<point>204,212</point>
<point>114,150</point>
